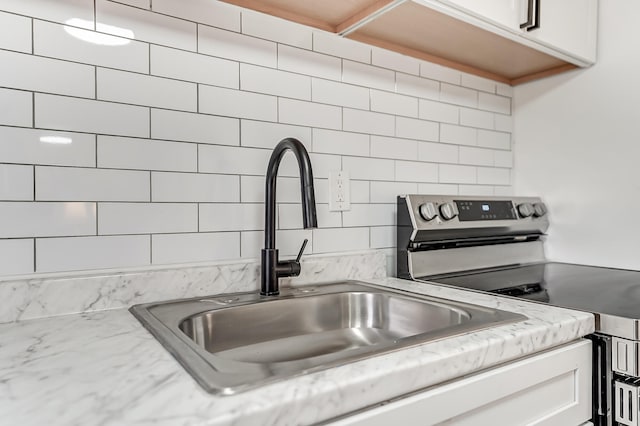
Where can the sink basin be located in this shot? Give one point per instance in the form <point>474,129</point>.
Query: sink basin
<point>234,342</point>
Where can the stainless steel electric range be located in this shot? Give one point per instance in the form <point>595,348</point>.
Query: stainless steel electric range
<point>496,245</point>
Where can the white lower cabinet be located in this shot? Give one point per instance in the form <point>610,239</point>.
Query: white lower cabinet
<point>552,388</point>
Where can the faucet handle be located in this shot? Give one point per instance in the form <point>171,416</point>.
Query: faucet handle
<point>304,244</point>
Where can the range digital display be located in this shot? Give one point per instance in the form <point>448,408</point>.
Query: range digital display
<point>484,210</point>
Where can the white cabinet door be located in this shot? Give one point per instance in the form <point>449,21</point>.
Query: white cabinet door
<point>507,13</point>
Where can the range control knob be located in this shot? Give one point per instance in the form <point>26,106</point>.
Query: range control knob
<point>448,211</point>
<point>525,209</point>
<point>539,209</point>
<point>428,211</point>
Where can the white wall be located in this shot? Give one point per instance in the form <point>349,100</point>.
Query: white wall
<point>577,144</point>
<point>171,133</point>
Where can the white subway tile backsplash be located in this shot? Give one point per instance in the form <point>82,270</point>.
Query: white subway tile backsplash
<point>192,187</point>
<point>274,82</point>
<point>231,217</point>
<point>336,142</point>
<point>369,168</point>
<point>15,32</point>
<point>54,41</point>
<point>437,188</point>
<point>494,103</point>
<point>290,216</point>
<point>440,73</point>
<point>331,92</point>
<point>383,236</point>
<point>145,25</point>
<point>79,184</point>
<point>333,44</point>
<point>252,189</point>
<point>28,72</point>
<point>387,192</point>
<point>16,107</point>
<point>82,115</point>
<point>140,89</point>
<point>226,159</point>
<point>490,139</point>
<point>476,156</point>
<point>503,158</point>
<point>368,122</point>
<point>288,243</point>
<point>190,127</point>
<point>417,129</point>
<point>16,182</point>
<point>236,103</point>
<point>360,191</point>
<point>32,146</point>
<point>494,176</point>
<point>308,63</point>
<point>146,218</point>
<point>417,86</point>
<point>145,154</point>
<point>395,61</point>
<point>478,83</point>
<point>214,13</point>
<point>82,253</point>
<point>450,173</point>
<point>340,239</point>
<point>392,103</point>
<point>484,190</point>
<point>261,134</point>
<point>271,28</point>
<point>142,4</point>
<point>238,47</point>
<point>437,152</point>
<point>322,164</point>
<point>503,191</point>
<point>367,75</point>
<point>369,215</point>
<point>29,219</point>
<point>460,135</point>
<point>309,114</point>
<point>503,122</point>
<point>195,247</point>
<point>436,111</point>
<point>386,147</point>
<point>504,90</point>
<point>189,66</point>
<point>16,256</point>
<point>476,118</point>
<point>82,10</point>
<point>413,171</point>
<point>458,95</point>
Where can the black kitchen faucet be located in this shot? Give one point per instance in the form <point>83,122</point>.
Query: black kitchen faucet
<point>271,268</point>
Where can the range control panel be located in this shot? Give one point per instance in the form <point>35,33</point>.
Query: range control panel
<point>485,210</point>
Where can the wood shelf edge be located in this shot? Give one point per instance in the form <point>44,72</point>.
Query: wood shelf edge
<point>543,74</point>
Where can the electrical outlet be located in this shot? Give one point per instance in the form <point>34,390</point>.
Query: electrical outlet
<point>339,191</point>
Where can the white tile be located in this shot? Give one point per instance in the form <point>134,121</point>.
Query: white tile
<point>54,41</point>
<point>336,142</point>
<point>274,82</point>
<point>417,86</point>
<point>340,239</point>
<point>437,152</point>
<point>458,95</point>
<point>190,127</point>
<point>369,168</point>
<point>28,72</point>
<point>498,140</point>
<point>236,103</point>
<point>29,219</point>
<point>369,215</point>
<point>494,103</point>
<point>476,190</point>
<point>503,191</point>
<point>387,192</point>
<point>359,191</point>
<point>146,218</point>
<point>385,147</point>
<point>503,122</point>
<point>82,253</point>
<point>15,32</point>
<point>331,92</point>
<point>231,217</point>
<point>383,236</point>
<point>78,184</point>
<point>416,129</point>
<point>309,114</point>
<point>288,189</point>
<point>27,146</point>
<point>368,76</point>
<point>438,111</point>
<point>271,28</point>
<point>189,66</point>
<point>144,154</point>
<point>63,113</point>
<point>214,13</point>
<point>392,103</point>
<point>457,174</point>
<point>476,118</point>
<point>395,61</point>
<point>62,11</point>
<point>322,165</point>
<point>413,171</point>
<point>290,216</point>
<point>440,73</point>
<point>321,189</point>
<point>16,107</point>
<point>494,176</point>
<point>478,83</point>
<point>112,17</point>
<point>260,134</point>
<point>504,90</point>
<point>198,247</point>
<point>16,182</point>
<point>143,4</point>
<point>450,133</point>
<point>233,160</point>
<point>190,187</point>
<point>308,63</point>
<point>503,158</point>
<point>437,189</point>
<point>476,156</point>
<point>333,44</point>
<point>238,47</point>
<point>368,122</point>
<point>126,87</point>
<point>288,243</point>
<point>16,257</point>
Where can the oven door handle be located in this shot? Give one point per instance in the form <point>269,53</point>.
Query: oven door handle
<point>601,379</point>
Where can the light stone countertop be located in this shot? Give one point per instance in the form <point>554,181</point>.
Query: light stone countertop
<point>104,368</point>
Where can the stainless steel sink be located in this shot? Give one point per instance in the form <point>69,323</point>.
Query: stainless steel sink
<point>238,341</point>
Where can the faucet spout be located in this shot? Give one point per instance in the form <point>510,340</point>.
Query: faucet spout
<point>271,268</point>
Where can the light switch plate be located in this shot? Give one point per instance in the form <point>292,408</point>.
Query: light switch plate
<point>339,191</point>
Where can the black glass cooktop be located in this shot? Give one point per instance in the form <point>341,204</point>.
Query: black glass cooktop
<point>589,288</point>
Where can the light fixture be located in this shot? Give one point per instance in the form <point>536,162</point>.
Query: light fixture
<point>116,36</point>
